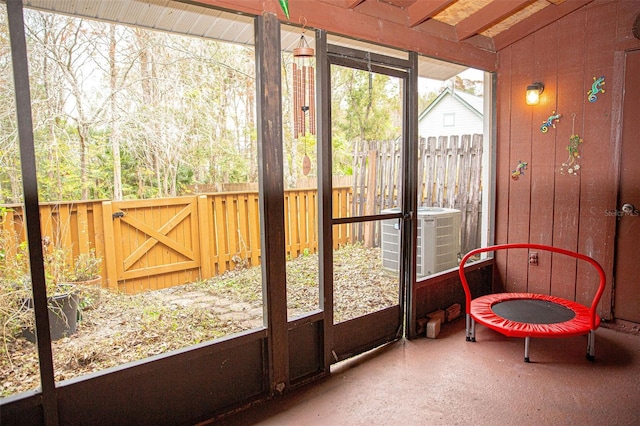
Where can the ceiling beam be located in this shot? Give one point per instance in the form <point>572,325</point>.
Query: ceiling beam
<point>490,14</point>
<point>422,10</point>
<point>351,4</point>
<point>535,22</point>
<point>334,18</point>
<point>382,10</point>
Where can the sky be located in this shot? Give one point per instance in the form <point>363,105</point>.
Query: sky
<point>428,85</point>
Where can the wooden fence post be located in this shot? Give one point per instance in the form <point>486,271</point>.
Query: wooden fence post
<point>441,162</point>
<point>370,205</point>
<point>204,213</point>
<point>429,166</point>
<point>111,271</point>
<point>452,170</point>
<point>473,206</point>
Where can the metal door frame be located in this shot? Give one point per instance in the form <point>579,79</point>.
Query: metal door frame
<point>357,335</point>
<point>626,214</point>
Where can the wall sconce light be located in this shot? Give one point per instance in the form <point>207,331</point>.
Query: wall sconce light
<point>533,93</point>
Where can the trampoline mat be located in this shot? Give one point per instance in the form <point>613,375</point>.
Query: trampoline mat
<point>532,311</point>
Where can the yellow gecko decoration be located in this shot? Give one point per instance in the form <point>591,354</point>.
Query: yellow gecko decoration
<point>520,168</point>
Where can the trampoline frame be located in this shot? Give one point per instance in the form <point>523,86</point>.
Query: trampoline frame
<point>585,321</point>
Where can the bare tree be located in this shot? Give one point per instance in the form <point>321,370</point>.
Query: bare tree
<point>115,133</point>
<point>70,46</point>
<point>147,111</point>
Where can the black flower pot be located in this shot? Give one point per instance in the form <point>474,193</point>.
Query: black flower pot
<point>63,316</point>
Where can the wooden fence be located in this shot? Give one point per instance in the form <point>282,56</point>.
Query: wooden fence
<point>449,172</point>
<point>160,243</point>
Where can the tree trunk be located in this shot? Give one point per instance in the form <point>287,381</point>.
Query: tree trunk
<point>115,134</point>
<point>84,181</point>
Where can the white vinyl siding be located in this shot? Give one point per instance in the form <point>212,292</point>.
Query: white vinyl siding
<point>438,121</point>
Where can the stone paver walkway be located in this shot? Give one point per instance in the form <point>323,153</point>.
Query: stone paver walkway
<point>245,314</point>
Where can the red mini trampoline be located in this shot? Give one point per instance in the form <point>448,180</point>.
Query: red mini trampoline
<point>530,314</point>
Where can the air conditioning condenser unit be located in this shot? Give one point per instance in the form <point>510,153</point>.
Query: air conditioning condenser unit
<point>438,244</point>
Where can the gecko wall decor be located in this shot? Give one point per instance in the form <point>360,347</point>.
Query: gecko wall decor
<point>595,88</point>
<point>550,122</point>
<point>519,171</point>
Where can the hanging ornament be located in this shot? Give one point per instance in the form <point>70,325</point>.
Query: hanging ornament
<point>519,171</point>
<point>306,164</point>
<point>550,122</point>
<point>595,88</point>
<point>284,4</point>
<point>571,165</point>
<point>304,117</point>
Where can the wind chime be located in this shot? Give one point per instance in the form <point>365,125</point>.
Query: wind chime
<point>304,110</point>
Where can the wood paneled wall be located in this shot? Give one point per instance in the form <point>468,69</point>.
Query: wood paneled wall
<point>545,206</point>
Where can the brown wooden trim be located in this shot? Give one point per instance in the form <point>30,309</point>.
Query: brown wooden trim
<point>503,129</point>
<point>454,273</point>
<point>422,10</point>
<point>628,16</point>
<point>325,198</point>
<point>383,10</point>
<point>363,333</point>
<point>352,4</point>
<point>410,195</point>
<point>19,58</point>
<point>270,169</point>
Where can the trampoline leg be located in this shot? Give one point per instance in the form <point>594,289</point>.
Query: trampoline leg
<point>468,328</point>
<point>470,331</point>
<point>526,348</point>
<point>591,346</point>
<point>473,330</point>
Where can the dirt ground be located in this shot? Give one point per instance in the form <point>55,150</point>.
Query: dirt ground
<point>116,328</point>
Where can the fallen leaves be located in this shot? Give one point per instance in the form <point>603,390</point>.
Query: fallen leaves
<point>122,328</point>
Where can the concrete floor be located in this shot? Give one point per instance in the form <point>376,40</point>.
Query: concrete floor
<point>448,381</point>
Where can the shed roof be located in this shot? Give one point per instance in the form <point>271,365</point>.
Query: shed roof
<point>473,103</point>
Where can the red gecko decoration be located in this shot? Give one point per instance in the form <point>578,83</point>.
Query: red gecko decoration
<point>550,122</point>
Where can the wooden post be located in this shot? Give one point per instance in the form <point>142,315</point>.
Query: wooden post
<point>19,59</point>
<point>441,161</point>
<point>111,270</point>
<point>205,237</point>
<point>271,174</point>
<point>84,242</point>
<point>451,172</point>
<point>370,200</point>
